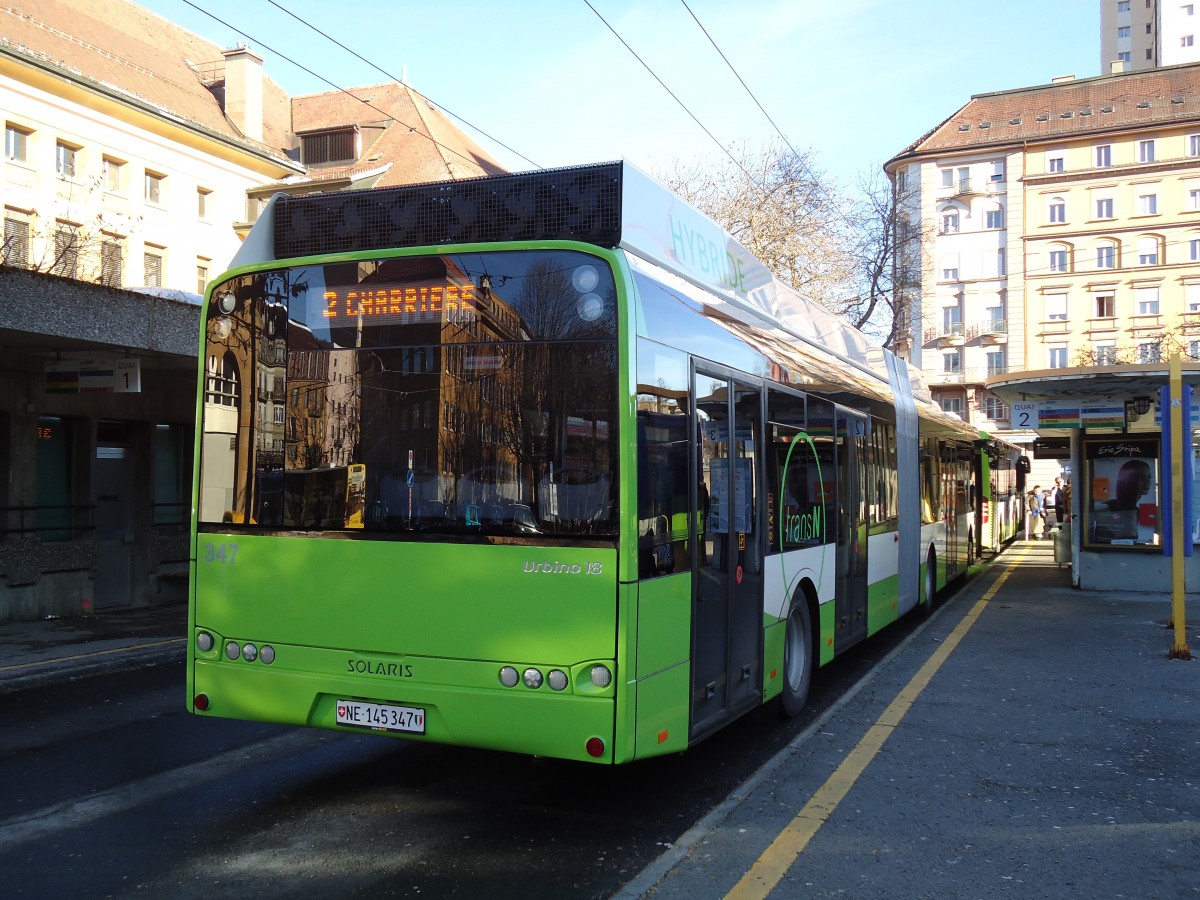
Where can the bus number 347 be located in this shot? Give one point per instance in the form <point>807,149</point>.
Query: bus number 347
<point>220,553</point>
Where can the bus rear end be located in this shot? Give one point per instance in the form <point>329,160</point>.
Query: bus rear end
<point>407,498</point>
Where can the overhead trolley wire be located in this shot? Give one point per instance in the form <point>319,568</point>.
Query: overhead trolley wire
<point>412,128</point>
<point>389,75</point>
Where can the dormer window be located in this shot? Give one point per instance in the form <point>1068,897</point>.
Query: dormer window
<point>338,146</point>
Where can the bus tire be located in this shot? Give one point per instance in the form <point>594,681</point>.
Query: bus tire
<point>930,583</point>
<point>797,658</point>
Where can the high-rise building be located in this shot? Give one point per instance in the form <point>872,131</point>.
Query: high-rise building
<point>1050,228</point>
<point>1143,34</point>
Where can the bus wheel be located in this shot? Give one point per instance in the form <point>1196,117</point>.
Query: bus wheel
<point>797,659</point>
<point>930,583</point>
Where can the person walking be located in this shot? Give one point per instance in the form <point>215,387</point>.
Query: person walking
<point>1051,508</point>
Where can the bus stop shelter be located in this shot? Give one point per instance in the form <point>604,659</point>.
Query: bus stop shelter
<point>1112,427</point>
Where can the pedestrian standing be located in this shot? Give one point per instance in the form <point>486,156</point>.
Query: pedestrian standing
<point>1033,512</point>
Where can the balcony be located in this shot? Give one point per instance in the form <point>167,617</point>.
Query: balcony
<point>989,331</point>
<point>938,378</point>
<point>950,335</point>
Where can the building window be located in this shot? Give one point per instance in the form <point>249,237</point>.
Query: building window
<point>994,408</point>
<point>328,147</point>
<point>1123,31</point>
<point>202,202</point>
<point>1056,307</point>
<point>1058,261</point>
<point>952,405</point>
<point>202,268</point>
<point>1194,199</point>
<point>1106,306</point>
<point>16,242</point>
<point>996,364</point>
<point>110,261</point>
<point>1147,301</point>
<point>1193,350</point>
<point>947,178</point>
<point>1145,151</point>
<point>998,170</point>
<point>1150,352</point>
<point>1148,252</point>
<point>1104,208</point>
<point>1001,264</point>
<point>1125,56</point>
<point>1057,356</point>
<point>1105,354</point>
<point>1194,145</point>
<point>1103,156</point>
<point>1187,40</point>
<point>952,362</point>
<point>995,218</point>
<point>1194,249</point>
<point>1122,5</point>
<point>1058,210</point>
<point>951,320</point>
<point>950,274</point>
<point>1056,163</point>
<point>152,267</point>
<point>154,187</point>
<point>1148,204</point>
<point>66,250</point>
<point>1106,256</point>
<point>950,221</point>
<point>64,159</point>
<point>16,143</point>
<point>113,172</point>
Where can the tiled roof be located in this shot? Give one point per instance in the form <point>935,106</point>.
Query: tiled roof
<point>133,51</point>
<point>1068,109</point>
<point>130,50</point>
<point>416,138</point>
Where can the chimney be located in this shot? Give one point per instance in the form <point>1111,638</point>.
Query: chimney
<point>244,91</point>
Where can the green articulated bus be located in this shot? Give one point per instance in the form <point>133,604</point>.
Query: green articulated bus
<point>546,463</point>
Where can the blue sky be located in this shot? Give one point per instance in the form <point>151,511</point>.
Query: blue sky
<point>855,81</point>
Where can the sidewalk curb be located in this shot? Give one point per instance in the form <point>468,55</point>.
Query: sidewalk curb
<point>44,672</point>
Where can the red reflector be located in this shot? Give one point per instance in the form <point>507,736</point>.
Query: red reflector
<point>595,747</point>
<point>774,674</point>
<point>201,702</point>
<point>662,736</point>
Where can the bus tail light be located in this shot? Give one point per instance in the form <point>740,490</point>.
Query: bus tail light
<point>595,747</point>
<point>200,702</point>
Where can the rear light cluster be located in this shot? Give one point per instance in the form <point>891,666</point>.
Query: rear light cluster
<point>556,679</point>
<point>233,650</point>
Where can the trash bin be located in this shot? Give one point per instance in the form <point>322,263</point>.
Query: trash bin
<point>1062,544</point>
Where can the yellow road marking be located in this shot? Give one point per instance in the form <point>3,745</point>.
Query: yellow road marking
<point>775,861</point>
<point>60,659</point>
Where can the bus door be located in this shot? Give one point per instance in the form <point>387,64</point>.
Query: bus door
<point>850,599</point>
<point>727,598</point>
<point>950,507</point>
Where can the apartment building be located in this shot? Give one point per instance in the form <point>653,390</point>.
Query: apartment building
<point>1058,227</point>
<point>136,157</point>
<point>1145,34</point>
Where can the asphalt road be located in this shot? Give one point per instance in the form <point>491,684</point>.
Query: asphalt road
<point>108,788</point>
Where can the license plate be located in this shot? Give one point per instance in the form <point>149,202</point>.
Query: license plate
<point>409,719</point>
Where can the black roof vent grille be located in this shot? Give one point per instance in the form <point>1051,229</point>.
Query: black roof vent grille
<point>581,203</point>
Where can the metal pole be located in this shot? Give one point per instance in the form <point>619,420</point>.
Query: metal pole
<point>1180,450</point>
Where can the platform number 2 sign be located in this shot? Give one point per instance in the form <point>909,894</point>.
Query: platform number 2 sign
<point>1025,415</point>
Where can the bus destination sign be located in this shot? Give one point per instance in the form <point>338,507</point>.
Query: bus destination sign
<point>397,304</point>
